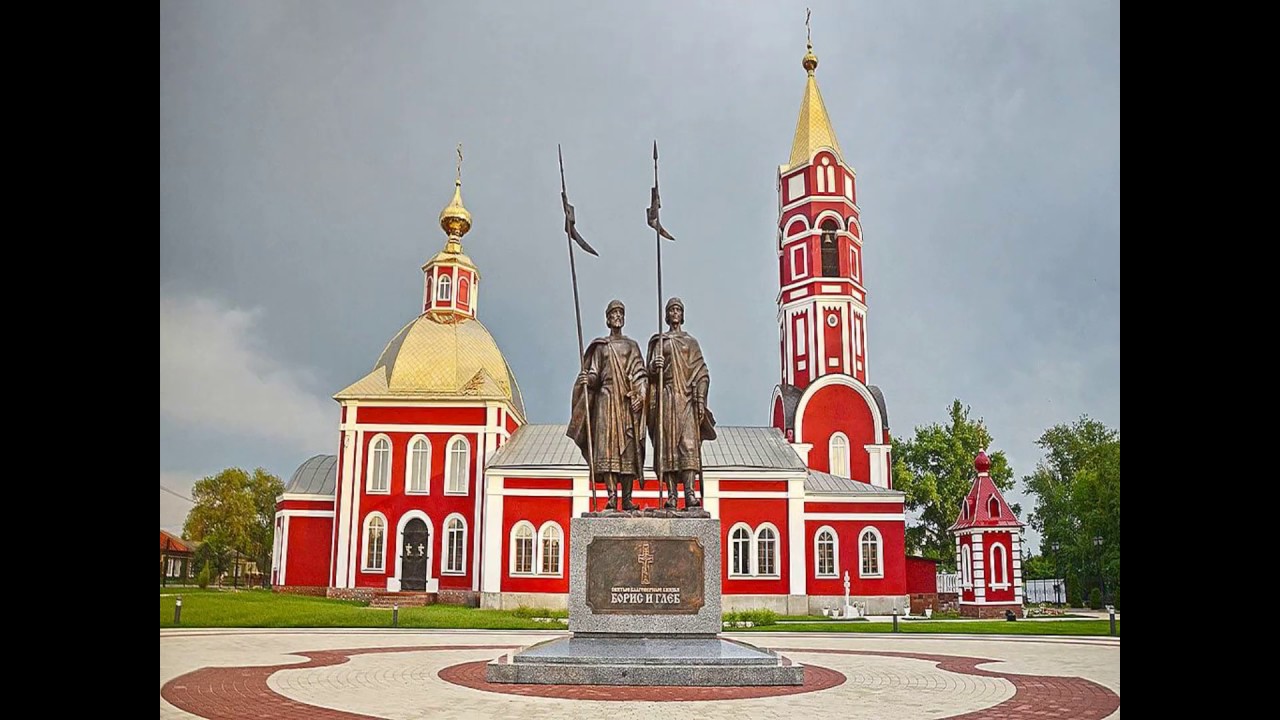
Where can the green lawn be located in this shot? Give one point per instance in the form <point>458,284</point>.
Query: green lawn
<point>262,608</point>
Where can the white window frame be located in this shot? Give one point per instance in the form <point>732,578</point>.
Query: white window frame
<point>364,534</point>
<point>998,566</point>
<point>540,555</point>
<point>993,501</point>
<point>846,468</point>
<point>799,256</point>
<point>835,553</point>
<point>445,567</point>
<point>966,566</point>
<point>533,552</point>
<point>879,548</point>
<point>410,466</point>
<point>449,474</point>
<point>801,333</point>
<point>372,464</point>
<point>463,281</point>
<point>444,288</point>
<point>777,554</point>
<point>747,562</point>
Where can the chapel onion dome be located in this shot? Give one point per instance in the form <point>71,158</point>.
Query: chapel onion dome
<point>317,476</point>
<point>455,219</point>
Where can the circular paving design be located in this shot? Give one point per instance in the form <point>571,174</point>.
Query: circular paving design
<point>244,692</point>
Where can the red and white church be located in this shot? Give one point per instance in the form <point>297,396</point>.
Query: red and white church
<point>442,485</point>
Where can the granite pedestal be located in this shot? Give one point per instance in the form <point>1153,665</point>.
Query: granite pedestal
<point>644,609</point>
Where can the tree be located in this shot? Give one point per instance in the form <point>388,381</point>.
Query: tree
<point>1076,487</point>
<point>935,470</point>
<point>235,511</point>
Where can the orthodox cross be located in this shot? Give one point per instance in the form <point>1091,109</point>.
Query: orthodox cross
<point>808,37</point>
<point>459,178</point>
<point>645,556</point>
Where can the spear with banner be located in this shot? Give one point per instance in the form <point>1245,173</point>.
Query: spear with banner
<point>651,214</point>
<point>572,236</point>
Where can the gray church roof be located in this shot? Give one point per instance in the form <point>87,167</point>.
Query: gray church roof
<point>826,483</point>
<point>735,448</point>
<point>317,476</point>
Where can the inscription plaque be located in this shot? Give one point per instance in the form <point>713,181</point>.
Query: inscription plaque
<point>645,575</point>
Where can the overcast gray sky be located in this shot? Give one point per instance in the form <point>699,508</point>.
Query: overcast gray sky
<point>306,149</point>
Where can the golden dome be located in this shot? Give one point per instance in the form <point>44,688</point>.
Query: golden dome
<point>440,357</point>
<point>454,218</point>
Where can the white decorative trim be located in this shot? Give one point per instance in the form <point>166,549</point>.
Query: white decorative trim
<point>444,545</point>
<point>755,494</point>
<point>837,379</point>
<point>538,556</point>
<point>304,513</point>
<point>448,465</point>
<point>835,553</point>
<point>879,540</point>
<point>432,582</point>
<point>533,552</point>
<point>284,550</point>
<point>777,551</point>
<point>535,492</point>
<point>749,560</point>
<point>364,542</point>
<point>998,566</point>
<point>409,467</point>
<point>873,517</point>
<point>391,454</point>
<point>800,268</point>
<point>799,577</point>
<point>852,498</point>
<point>304,497</point>
<point>845,469</point>
<point>491,575</point>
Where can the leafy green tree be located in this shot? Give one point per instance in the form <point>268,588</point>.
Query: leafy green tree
<point>935,470</point>
<point>235,511</point>
<point>1076,487</point>
<point>1038,567</point>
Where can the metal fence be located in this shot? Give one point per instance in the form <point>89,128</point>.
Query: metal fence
<point>1048,590</point>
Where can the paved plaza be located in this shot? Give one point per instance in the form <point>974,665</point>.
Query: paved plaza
<point>324,673</point>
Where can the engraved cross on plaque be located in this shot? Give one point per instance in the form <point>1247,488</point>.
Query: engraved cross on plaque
<point>645,556</point>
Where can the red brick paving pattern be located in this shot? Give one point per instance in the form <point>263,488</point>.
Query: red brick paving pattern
<point>220,693</point>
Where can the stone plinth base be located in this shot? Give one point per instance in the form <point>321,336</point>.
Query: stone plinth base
<point>700,662</point>
<point>985,611</point>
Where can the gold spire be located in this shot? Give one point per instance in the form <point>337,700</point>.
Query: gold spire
<point>813,129</point>
<point>454,218</point>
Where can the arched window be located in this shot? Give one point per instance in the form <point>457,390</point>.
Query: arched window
<point>830,248</point>
<point>993,507</point>
<point>464,295</point>
<point>870,558</point>
<point>964,508</point>
<point>455,477</point>
<point>740,551</point>
<point>966,565</point>
<point>522,549</point>
<point>549,545</point>
<point>455,549</point>
<point>375,537</point>
<point>419,472</point>
<point>444,288</point>
<point>824,551</point>
<point>380,465</point>
<point>839,454</point>
<point>999,578</point>
<point>766,550</point>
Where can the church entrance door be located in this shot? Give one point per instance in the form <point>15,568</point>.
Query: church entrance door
<point>415,556</point>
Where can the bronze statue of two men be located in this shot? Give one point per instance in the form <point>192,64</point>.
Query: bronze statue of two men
<point>618,396</point>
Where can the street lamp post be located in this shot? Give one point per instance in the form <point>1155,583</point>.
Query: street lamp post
<point>1102,584</point>
<point>1057,572</point>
